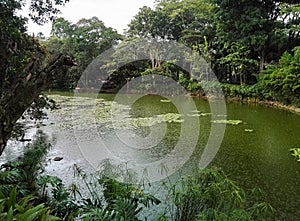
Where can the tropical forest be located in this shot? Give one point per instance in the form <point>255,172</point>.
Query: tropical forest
<point>190,113</point>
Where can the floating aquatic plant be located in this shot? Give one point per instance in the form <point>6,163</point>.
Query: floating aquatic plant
<point>296,153</point>
<point>199,115</point>
<point>148,121</point>
<point>165,101</point>
<point>101,111</point>
<point>171,118</point>
<point>230,122</point>
<point>141,122</point>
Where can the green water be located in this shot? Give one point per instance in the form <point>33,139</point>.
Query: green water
<point>254,153</point>
<point>262,159</point>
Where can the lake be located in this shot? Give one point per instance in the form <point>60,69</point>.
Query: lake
<point>153,138</point>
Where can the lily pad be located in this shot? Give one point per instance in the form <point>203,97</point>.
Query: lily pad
<point>230,122</point>
<point>199,115</point>
<point>296,153</point>
<point>205,114</point>
<point>165,101</point>
<point>193,115</point>
<point>149,121</point>
<point>171,117</point>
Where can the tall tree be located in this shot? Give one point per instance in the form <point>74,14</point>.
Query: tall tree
<point>190,22</point>
<point>254,25</point>
<point>83,41</point>
<point>290,18</point>
<point>186,21</point>
<point>23,74</point>
<point>146,24</point>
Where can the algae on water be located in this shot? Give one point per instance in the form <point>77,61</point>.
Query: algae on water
<point>150,121</point>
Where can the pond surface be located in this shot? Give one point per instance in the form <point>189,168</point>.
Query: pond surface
<point>254,151</point>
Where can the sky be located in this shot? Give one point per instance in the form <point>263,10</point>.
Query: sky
<point>114,13</point>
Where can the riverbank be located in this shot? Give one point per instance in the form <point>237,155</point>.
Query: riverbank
<point>273,104</point>
<point>252,94</point>
<point>249,100</point>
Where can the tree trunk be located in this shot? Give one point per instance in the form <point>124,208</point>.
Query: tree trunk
<point>262,62</point>
<point>16,99</point>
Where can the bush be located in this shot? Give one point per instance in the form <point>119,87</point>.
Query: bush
<point>23,209</point>
<point>283,80</point>
<point>210,195</point>
<point>25,171</point>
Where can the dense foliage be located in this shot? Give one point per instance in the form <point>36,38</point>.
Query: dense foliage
<point>240,40</point>
<point>210,195</point>
<point>283,80</point>
<point>24,74</point>
<point>237,38</point>
<point>19,184</point>
<point>243,41</point>
<point>82,41</point>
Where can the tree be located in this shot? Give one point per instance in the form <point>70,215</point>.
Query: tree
<point>290,18</point>
<point>145,24</point>
<point>283,80</point>
<point>186,21</point>
<point>239,64</point>
<point>83,41</point>
<point>254,25</point>
<point>23,73</point>
<point>189,22</point>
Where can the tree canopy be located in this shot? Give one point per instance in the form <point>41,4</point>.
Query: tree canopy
<point>83,41</point>
<point>238,38</point>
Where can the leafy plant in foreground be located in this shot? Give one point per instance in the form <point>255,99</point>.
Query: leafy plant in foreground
<point>210,195</point>
<point>99,197</point>
<point>24,172</point>
<point>23,209</point>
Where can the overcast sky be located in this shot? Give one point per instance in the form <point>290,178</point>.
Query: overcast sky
<point>114,13</point>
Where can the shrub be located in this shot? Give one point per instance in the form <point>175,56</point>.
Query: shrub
<point>284,79</point>
<point>210,195</point>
